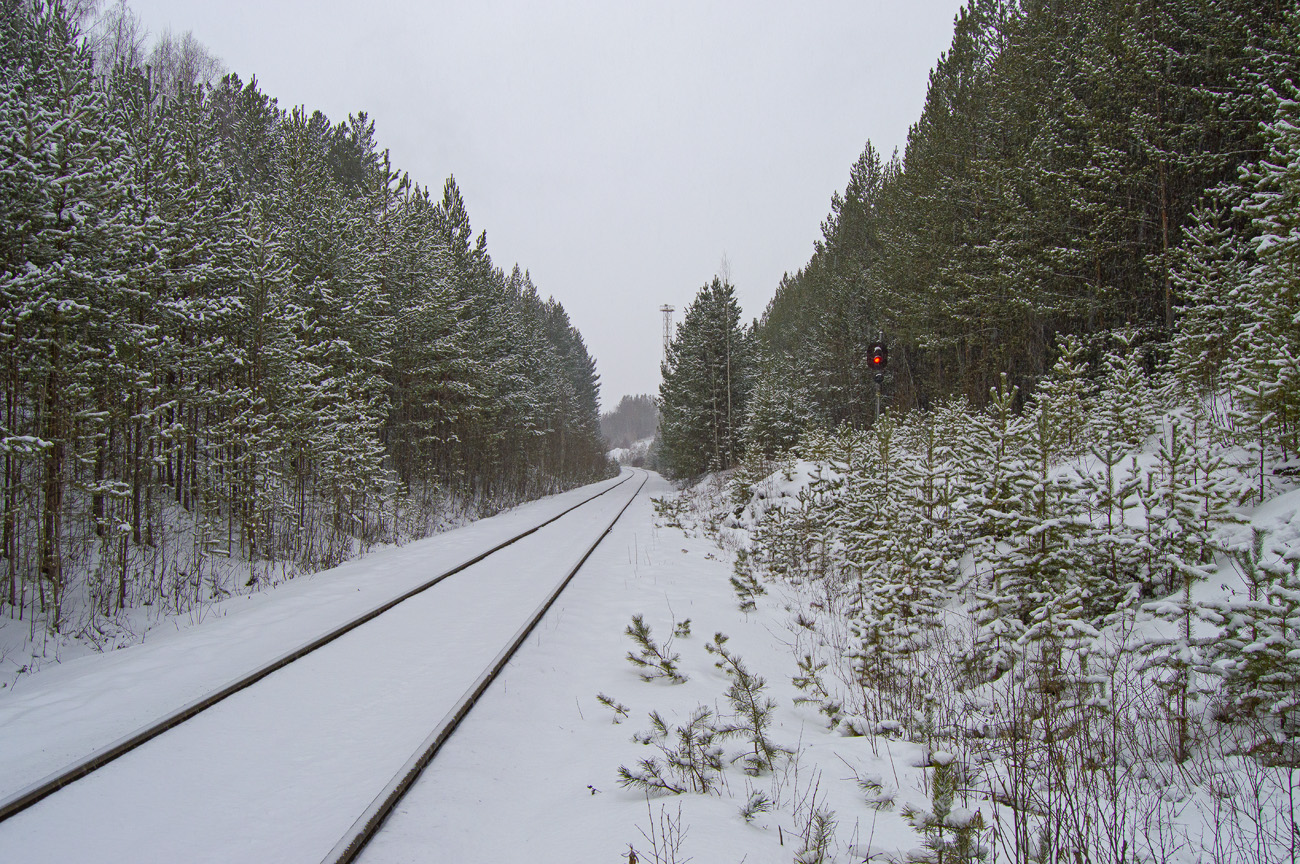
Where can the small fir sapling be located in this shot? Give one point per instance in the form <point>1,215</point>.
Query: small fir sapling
<point>998,530</point>
<point>650,775</point>
<point>752,709</point>
<point>653,661</point>
<point>1125,406</point>
<point>669,510</point>
<point>1112,547</point>
<point>818,834</point>
<point>1184,508</point>
<point>682,630</point>
<point>1255,652</point>
<point>758,802</point>
<point>1064,394</point>
<point>877,796</point>
<point>809,681</point>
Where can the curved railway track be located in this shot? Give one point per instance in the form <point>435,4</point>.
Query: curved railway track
<point>349,846</point>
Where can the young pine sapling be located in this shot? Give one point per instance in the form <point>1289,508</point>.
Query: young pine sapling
<point>653,660</point>
<point>619,709</point>
<point>752,708</point>
<point>692,757</point>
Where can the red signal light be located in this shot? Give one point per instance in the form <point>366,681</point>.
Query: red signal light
<point>879,360</point>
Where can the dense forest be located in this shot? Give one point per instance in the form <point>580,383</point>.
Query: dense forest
<point>1078,168</point>
<point>238,343</point>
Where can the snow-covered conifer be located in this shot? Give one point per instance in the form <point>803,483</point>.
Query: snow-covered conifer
<point>1185,507</point>
<point>1255,650</point>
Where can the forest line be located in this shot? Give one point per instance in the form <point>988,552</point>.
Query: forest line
<point>239,343</point>
<point>1085,169</point>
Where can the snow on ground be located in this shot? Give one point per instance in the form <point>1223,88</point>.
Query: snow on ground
<point>532,774</point>
<point>634,455</point>
<point>311,745</point>
<point>26,646</point>
<point>66,711</point>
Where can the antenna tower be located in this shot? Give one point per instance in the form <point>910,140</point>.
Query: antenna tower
<point>668,327</point>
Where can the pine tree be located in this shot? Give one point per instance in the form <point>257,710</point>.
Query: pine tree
<point>1255,649</point>
<point>1113,570</point>
<point>752,709</point>
<point>1209,268</point>
<point>778,410</point>
<point>705,386</point>
<point>1185,506</point>
<point>1267,377</point>
<point>1064,394</point>
<point>65,247</point>
<point>270,323</point>
<point>895,541</point>
<point>223,324</point>
<point>993,471</point>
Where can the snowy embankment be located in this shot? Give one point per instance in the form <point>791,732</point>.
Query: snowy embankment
<point>1158,728</point>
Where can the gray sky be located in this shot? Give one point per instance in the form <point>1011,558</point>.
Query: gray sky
<point>618,149</point>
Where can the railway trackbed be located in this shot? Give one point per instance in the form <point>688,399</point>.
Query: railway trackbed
<point>278,764</point>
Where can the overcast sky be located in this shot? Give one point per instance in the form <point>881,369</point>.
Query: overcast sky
<point>617,149</point>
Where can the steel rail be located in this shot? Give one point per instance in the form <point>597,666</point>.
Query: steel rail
<point>370,822</point>
<point>52,783</point>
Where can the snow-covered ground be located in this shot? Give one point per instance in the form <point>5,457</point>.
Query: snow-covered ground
<point>634,455</point>
<point>67,710</point>
<point>531,775</point>
<point>321,736</point>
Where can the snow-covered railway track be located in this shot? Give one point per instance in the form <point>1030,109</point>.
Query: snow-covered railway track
<point>347,849</point>
<point>321,700</point>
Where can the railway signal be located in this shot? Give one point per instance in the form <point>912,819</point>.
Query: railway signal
<point>879,360</point>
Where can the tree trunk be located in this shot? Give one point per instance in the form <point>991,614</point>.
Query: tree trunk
<point>50,553</point>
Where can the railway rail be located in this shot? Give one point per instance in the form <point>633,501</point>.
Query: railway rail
<point>354,840</point>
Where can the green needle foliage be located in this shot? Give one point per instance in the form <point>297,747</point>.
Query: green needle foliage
<point>751,709</point>
<point>653,660</point>
<point>690,756</point>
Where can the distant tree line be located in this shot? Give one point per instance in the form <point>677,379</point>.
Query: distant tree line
<point>1078,168</point>
<point>234,332</point>
<point>633,419</point>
